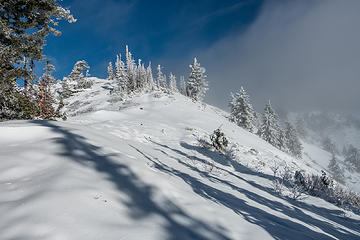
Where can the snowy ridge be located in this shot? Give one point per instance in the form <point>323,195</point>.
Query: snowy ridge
<point>135,170</point>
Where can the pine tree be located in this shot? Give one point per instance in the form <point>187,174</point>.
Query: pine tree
<point>110,73</point>
<point>197,84</point>
<point>182,86</point>
<point>241,111</point>
<point>293,143</point>
<point>149,77</point>
<point>140,76</point>
<point>131,71</point>
<point>270,129</point>
<point>76,78</point>
<point>24,26</point>
<point>172,83</point>
<point>120,75</point>
<point>161,79</point>
<point>46,98</point>
<point>66,91</point>
<point>335,170</point>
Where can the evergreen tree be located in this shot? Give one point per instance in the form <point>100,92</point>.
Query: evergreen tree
<point>131,71</point>
<point>241,111</point>
<point>46,98</point>
<point>182,86</point>
<point>293,143</point>
<point>149,77</point>
<point>66,91</point>
<point>120,75</point>
<point>335,170</point>
<point>141,76</point>
<point>197,84</point>
<point>76,78</point>
<point>24,26</point>
<point>110,73</point>
<point>161,79</point>
<point>172,83</point>
<point>270,129</point>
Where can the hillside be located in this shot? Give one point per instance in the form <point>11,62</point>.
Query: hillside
<point>135,170</point>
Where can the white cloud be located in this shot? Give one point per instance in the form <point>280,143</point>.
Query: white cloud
<point>300,54</point>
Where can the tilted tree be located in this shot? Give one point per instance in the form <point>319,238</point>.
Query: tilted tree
<point>197,84</point>
<point>77,77</point>
<point>241,111</point>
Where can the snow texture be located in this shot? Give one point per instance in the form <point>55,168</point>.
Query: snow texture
<point>135,170</point>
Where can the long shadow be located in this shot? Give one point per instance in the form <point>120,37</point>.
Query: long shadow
<point>140,203</point>
<point>278,227</point>
<point>329,214</point>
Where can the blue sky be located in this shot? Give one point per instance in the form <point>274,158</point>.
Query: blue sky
<point>157,31</point>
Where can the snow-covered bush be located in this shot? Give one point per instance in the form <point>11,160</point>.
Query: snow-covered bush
<point>219,141</point>
<point>323,186</point>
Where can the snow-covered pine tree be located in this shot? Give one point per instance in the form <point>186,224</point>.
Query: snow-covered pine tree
<point>293,143</point>
<point>140,76</point>
<point>161,79</point>
<point>335,170</point>
<point>241,111</point>
<point>76,78</point>
<point>24,26</point>
<point>197,84</point>
<point>172,83</point>
<point>131,71</point>
<point>270,129</point>
<point>149,77</point>
<point>182,86</point>
<point>66,91</point>
<point>120,75</point>
<point>110,73</point>
<point>46,99</point>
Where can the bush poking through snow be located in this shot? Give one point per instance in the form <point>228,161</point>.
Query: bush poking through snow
<point>219,141</point>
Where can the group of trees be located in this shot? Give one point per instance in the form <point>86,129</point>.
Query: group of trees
<point>270,129</point>
<point>24,26</point>
<point>127,77</point>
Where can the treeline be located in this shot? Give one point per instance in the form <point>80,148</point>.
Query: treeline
<point>126,77</point>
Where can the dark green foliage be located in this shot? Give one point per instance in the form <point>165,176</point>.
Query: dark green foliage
<point>24,25</point>
<point>218,140</point>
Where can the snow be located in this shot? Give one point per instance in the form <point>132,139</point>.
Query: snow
<point>135,170</point>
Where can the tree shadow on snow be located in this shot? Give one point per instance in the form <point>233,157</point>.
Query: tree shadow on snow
<point>140,203</point>
<point>278,227</point>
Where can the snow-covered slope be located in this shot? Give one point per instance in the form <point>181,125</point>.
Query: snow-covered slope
<point>134,170</point>
<point>342,130</point>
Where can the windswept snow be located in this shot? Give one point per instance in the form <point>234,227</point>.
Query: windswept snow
<point>134,170</point>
